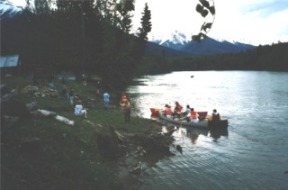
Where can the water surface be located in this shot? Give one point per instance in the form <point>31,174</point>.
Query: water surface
<point>252,154</point>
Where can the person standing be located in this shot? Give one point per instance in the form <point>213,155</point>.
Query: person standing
<point>123,99</point>
<point>127,111</point>
<point>98,87</point>
<point>106,99</point>
<point>64,92</point>
<point>215,116</point>
<point>71,96</point>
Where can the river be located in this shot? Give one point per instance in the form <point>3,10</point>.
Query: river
<point>251,154</point>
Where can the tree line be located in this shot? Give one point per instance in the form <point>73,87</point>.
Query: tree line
<point>263,58</point>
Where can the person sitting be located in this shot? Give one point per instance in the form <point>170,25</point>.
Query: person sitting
<point>168,111</point>
<point>178,109</point>
<point>194,115</point>
<point>215,116</point>
<point>79,109</point>
<point>187,112</point>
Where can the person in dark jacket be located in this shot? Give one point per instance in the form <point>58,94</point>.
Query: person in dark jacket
<point>215,116</point>
<point>127,111</point>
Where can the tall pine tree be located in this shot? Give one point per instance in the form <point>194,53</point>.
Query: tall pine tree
<point>146,24</point>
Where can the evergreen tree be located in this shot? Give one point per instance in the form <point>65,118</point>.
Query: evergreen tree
<point>42,6</point>
<point>124,8</point>
<point>146,24</point>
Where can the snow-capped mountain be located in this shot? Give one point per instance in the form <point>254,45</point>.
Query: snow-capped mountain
<point>181,42</point>
<point>175,40</point>
<point>8,10</point>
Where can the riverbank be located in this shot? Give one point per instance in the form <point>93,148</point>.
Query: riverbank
<point>100,152</point>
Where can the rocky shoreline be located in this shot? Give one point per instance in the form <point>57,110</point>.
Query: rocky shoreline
<point>127,146</point>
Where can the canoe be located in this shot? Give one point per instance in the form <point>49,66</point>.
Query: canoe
<point>202,123</point>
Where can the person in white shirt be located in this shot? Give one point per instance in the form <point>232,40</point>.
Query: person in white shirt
<point>79,109</point>
<point>106,99</point>
<point>187,113</point>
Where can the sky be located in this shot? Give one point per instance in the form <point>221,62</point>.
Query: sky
<point>256,22</point>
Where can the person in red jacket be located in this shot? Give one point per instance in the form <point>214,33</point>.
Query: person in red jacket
<point>168,111</point>
<point>123,99</point>
<point>194,115</point>
<point>178,109</point>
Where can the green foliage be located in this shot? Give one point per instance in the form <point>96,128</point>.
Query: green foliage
<point>124,8</point>
<point>146,24</point>
<point>79,36</point>
<point>42,6</point>
<point>268,58</point>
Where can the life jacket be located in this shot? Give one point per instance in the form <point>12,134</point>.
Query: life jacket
<point>124,99</point>
<point>194,115</point>
<point>168,111</point>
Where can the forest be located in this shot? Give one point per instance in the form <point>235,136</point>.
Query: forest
<point>94,37</point>
<point>90,37</point>
<point>263,58</point>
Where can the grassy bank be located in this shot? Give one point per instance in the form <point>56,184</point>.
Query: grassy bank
<point>40,152</point>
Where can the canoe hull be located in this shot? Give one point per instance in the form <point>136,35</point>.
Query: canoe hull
<point>205,124</point>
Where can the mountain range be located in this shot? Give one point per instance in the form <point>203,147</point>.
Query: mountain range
<point>180,42</point>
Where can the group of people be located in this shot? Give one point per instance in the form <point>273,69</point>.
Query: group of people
<point>189,114</point>
<point>168,112</point>
<point>79,109</point>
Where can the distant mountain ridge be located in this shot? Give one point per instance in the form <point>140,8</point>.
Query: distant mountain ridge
<point>8,10</point>
<point>178,41</point>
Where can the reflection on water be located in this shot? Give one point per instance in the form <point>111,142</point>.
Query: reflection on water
<point>194,133</point>
<point>252,154</point>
